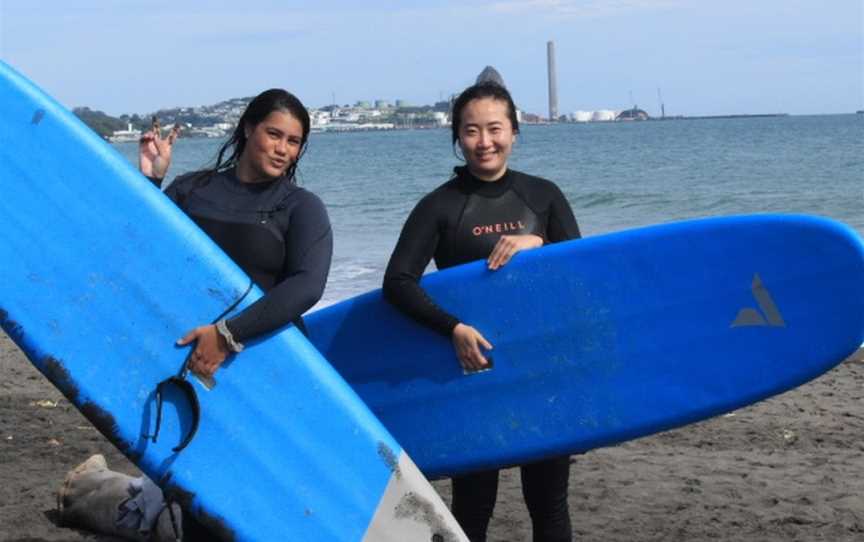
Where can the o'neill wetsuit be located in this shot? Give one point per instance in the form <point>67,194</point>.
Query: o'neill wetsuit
<point>461,221</point>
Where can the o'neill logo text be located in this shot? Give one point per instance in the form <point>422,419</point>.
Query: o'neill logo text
<point>501,227</point>
<point>767,315</point>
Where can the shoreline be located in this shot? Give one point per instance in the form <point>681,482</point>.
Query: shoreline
<point>787,468</point>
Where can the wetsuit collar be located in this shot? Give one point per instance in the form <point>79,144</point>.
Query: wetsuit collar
<point>484,188</point>
<point>235,185</point>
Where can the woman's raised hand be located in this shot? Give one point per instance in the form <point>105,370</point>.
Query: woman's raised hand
<point>154,151</point>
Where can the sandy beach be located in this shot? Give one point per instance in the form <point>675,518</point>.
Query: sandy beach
<point>790,468</point>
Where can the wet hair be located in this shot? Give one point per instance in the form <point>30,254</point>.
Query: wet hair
<point>275,99</point>
<point>485,89</point>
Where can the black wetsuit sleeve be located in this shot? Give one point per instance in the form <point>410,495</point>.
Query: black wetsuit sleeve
<point>308,252</point>
<point>562,224</point>
<point>416,246</point>
<point>171,191</point>
<point>157,181</point>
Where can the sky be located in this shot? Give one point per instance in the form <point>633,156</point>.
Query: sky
<point>703,57</point>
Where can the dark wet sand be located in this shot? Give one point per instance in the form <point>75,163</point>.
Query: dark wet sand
<point>787,469</point>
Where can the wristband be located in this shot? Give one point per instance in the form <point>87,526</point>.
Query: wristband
<point>223,330</point>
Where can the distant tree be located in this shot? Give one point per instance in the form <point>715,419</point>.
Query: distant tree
<point>99,122</point>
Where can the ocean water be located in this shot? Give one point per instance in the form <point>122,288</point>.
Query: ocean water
<point>616,176</point>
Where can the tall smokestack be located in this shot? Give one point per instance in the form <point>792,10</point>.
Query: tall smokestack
<point>553,81</point>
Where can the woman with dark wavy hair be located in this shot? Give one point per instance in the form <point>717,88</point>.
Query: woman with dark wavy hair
<point>249,203</point>
<point>452,225</point>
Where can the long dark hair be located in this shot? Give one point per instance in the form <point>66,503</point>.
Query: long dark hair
<point>485,89</point>
<point>275,99</point>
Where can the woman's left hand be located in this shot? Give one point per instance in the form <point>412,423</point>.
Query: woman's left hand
<point>210,350</point>
<point>508,245</point>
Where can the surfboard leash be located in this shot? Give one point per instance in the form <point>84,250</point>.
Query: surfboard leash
<point>180,382</point>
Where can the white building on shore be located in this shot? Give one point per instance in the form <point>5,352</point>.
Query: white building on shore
<point>129,134</point>
<point>608,115</point>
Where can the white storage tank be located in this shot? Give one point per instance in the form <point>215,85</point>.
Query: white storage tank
<point>604,115</point>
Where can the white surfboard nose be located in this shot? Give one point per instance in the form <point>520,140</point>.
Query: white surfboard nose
<point>411,510</point>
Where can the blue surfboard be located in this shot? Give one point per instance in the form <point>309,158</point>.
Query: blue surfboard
<point>606,339</point>
<point>100,275</point>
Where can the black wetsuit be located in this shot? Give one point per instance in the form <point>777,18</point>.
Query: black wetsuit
<point>461,221</point>
<point>277,232</point>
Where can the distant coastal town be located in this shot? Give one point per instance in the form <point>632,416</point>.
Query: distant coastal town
<point>219,120</point>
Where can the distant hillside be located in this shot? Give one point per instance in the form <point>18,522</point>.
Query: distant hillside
<point>105,125</point>
<point>195,117</point>
<point>101,123</point>
<point>225,112</point>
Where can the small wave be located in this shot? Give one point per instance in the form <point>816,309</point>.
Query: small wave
<point>620,200</point>
<point>350,271</point>
<point>596,199</point>
<point>722,202</point>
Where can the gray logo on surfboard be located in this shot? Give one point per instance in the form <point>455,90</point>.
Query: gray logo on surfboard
<point>766,315</point>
